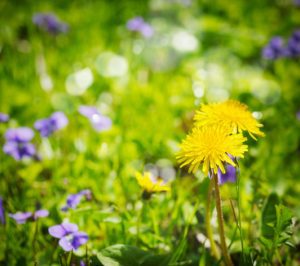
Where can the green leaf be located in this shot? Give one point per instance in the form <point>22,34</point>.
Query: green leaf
<point>123,255</point>
<point>284,218</point>
<point>269,217</point>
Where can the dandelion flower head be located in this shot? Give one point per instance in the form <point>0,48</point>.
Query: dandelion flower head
<point>211,147</point>
<point>230,113</point>
<point>149,184</point>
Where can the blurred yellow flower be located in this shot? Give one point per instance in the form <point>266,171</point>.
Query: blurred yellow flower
<point>150,185</point>
<point>230,113</point>
<point>211,147</point>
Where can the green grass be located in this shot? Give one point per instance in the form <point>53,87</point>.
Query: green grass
<point>152,109</point>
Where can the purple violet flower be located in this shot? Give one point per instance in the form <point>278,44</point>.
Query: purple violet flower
<point>74,199</point>
<point>40,214</point>
<point>274,49</point>
<point>228,176</point>
<point>73,241</point>
<point>47,126</point>
<point>98,121</point>
<point>298,115</point>
<point>50,23</point>
<point>4,118</point>
<point>22,217</point>
<point>19,150</point>
<point>138,24</point>
<point>61,230</point>
<point>17,143</point>
<point>19,135</point>
<point>135,23</point>
<point>146,30</point>
<point>2,212</point>
<point>293,46</point>
<point>70,238</point>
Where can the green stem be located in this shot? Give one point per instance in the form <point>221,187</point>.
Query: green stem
<point>138,223</point>
<point>34,242</point>
<point>209,232</point>
<point>69,259</point>
<point>239,215</point>
<point>154,224</point>
<point>227,258</point>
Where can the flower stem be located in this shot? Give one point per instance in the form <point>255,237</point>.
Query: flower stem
<point>209,232</point>
<point>239,215</point>
<point>227,258</point>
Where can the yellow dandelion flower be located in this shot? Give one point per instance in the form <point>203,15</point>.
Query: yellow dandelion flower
<point>210,146</point>
<point>230,113</point>
<point>150,185</point>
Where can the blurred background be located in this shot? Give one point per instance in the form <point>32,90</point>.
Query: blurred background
<point>146,66</point>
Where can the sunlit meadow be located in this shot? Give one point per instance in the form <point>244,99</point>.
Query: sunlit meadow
<point>149,133</point>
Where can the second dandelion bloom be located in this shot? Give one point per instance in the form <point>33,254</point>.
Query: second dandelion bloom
<point>230,113</point>
<point>211,147</point>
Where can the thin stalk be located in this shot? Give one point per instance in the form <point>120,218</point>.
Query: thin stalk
<point>34,242</point>
<point>225,253</point>
<point>69,259</point>
<point>209,232</point>
<point>154,224</point>
<point>138,223</point>
<point>239,215</point>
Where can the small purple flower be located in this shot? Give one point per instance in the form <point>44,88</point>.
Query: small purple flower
<point>293,46</point>
<point>47,126</point>
<point>88,111</point>
<point>146,30</point>
<point>17,143</point>
<point>70,238</point>
<point>228,176</point>
<point>40,214</point>
<point>135,23</point>
<point>274,49</point>
<point>298,115</point>
<point>61,230</point>
<point>19,150</point>
<point>82,263</point>
<point>98,121</point>
<point>19,135</point>
<point>138,24</point>
<point>4,118</point>
<point>73,241</point>
<point>74,199</point>
<point>22,217</point>
<point>2,212</point>
<point>49,22</point>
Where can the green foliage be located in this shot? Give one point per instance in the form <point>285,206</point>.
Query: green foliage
<point>122,255</point>
<point>151,107</point>
<point>276,226</point>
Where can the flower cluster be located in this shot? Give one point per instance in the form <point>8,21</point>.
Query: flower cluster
<point>22,217</point>
<point>217,140</point>
<point>98,121</point>
<point>47,126</point>
<point>276,47</point>
<point>137,24</point>
<point>74,199</point>
<point>18,143</point>
<point>68,235</point>
<point>50,23</point>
